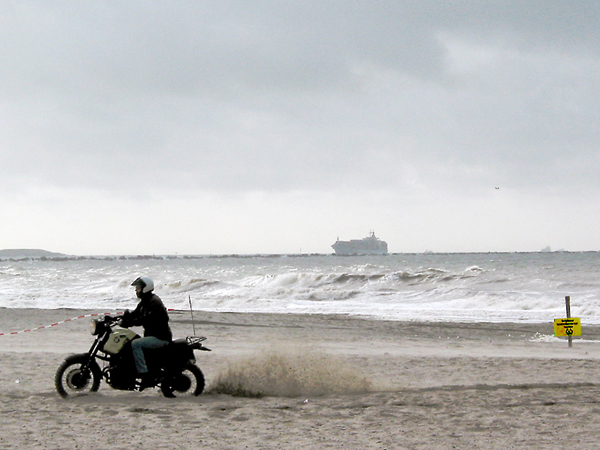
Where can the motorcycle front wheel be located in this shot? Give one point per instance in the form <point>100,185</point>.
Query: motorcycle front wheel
<point>76,377</point>
<point>188,383</point>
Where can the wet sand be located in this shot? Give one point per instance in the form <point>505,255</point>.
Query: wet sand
<point>424,386</point>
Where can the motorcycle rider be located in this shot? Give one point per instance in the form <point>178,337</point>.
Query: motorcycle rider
<point>151,314</point>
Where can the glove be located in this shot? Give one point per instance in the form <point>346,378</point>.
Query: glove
<point>124,319</point>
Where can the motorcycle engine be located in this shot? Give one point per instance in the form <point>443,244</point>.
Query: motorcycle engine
<point>119,378</point>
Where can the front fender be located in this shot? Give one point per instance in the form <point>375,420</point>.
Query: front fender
<point>86,359</point>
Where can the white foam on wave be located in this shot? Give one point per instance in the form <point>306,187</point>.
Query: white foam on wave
<point>521,287</point>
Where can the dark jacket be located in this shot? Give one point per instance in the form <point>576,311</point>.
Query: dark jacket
<point>151,314</point>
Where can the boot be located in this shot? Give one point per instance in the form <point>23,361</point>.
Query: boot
<point>147,381</point>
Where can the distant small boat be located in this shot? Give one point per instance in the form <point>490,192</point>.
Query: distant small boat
<point>370,245</point>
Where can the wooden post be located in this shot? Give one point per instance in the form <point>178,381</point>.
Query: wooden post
<point>568,305</point>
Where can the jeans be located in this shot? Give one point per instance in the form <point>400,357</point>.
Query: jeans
<point>138,346</point>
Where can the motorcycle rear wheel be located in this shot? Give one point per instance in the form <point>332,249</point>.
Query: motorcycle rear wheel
<point>73,378</point>
<point>190,382</point>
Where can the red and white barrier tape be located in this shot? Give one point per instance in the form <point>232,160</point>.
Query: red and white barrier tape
<point>67,320</point>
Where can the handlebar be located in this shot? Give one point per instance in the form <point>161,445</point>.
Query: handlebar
<point>111,319</point>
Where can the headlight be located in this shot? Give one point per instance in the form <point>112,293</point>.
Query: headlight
<point>94,327</point>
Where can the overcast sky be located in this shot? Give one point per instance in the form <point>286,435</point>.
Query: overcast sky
<point>140,127</point>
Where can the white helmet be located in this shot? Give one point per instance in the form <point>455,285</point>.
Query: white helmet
<point>145,283</point>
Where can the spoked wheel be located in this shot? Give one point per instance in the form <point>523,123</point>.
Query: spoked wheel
<point>74,378</point>
<point>188,383</point>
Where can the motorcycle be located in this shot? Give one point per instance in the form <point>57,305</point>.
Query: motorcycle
<point>174,366</point>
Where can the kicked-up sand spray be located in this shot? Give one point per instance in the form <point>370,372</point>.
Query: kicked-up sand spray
<point>290,372</point>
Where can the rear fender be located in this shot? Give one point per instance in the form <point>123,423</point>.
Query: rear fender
<point>195,342</point>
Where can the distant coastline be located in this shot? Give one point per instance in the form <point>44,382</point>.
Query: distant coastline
<point>44,255</point>
<point>29,253</point>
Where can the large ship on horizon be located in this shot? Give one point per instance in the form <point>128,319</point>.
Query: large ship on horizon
<point>370,245</point>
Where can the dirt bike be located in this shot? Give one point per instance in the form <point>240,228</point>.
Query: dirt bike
<point>173,367</point>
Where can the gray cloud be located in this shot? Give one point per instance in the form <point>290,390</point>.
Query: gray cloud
<point>243,96</point>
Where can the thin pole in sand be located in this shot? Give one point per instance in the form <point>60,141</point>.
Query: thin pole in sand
<point>568,305</point>
<point>192,313</point>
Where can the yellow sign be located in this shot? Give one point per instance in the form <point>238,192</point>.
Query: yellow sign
<point>567,327</point>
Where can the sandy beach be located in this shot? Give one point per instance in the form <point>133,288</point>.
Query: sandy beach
<point>349,383</point>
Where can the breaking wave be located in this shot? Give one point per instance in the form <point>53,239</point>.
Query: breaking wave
<point>473,287</point>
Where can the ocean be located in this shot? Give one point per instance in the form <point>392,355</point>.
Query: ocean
<point>472,287</point>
